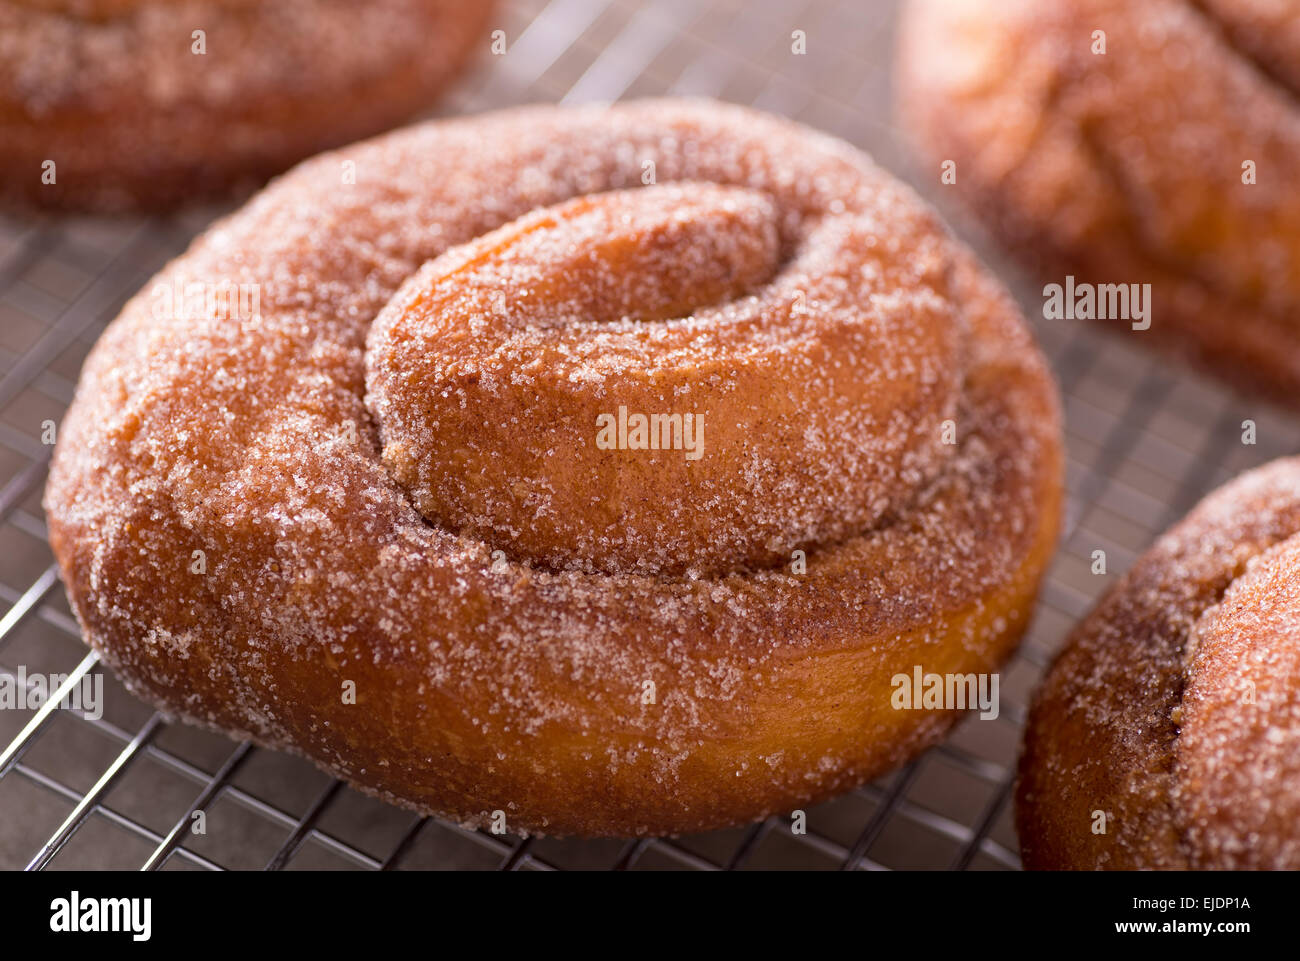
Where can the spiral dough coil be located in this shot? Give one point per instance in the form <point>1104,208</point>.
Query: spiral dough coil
<point>392,473</point>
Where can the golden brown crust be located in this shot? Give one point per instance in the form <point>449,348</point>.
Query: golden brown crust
<point>1174,708</point>
<point>503,683</point>
<point>115,95</point>
<point>1127,166</point>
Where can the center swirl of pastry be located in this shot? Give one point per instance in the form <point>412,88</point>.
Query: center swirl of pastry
<point>683,380</point>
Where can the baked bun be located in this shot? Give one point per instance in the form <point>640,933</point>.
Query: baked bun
<point>1172,717</point>
<point>144,104</point>
<point>418,470</point>
<point>1131,166</point>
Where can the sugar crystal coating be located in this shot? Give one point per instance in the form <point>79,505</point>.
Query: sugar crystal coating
<point>487,681</point>
<point>577,311</point>
<point>1174,707</point>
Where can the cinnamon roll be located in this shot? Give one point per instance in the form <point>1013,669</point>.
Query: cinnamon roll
<point>592,469</point>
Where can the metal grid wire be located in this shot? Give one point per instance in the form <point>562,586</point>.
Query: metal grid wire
<point>1145,441</point>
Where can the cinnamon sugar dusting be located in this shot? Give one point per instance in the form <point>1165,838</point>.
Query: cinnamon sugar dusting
<point>1174,707</point>
<point>587,307</point>
<point>415,503</point>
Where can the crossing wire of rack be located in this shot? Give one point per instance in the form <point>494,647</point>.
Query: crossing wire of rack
<point>110,784</point>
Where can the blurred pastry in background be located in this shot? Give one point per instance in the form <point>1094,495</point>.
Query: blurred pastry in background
<point>1116,145</point>
<point>119,105</point>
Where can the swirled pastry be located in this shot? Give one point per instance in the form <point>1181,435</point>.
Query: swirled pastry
<point>1120,143</point>
<point>596,466</point>
<point>112,105</point>
<point>1167,733</point>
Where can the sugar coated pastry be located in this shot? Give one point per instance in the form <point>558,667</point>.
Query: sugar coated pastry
<point>1143,155</point>
<point>1167,733</point>
<point>597,466</point>
<point>112,105</point>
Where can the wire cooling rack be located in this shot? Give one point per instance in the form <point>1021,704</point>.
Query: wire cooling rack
<point>1145,441</point>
